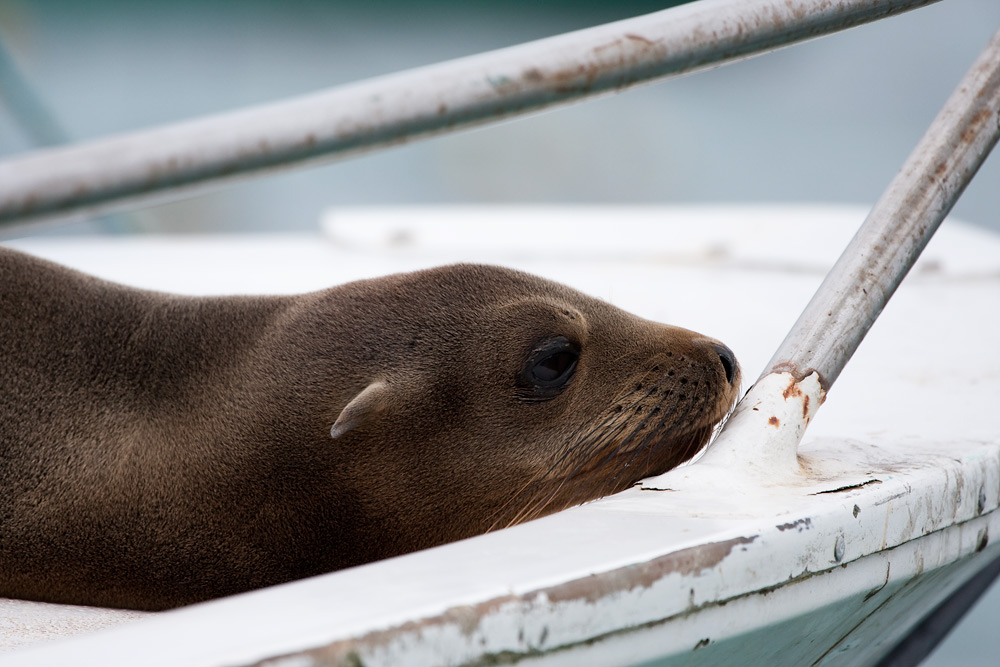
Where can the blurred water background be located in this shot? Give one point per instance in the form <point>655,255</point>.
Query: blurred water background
<point>828,121</point>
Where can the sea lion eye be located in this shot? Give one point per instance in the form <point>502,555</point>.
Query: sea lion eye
<point>549,368</point>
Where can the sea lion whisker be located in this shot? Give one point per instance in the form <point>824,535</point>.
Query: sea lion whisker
<point>625,444</point>
<point>602,445</point>
<point>585,447</point>
<point>533,482</point>
<point>647,446</point>
<point>605,423</point>
<point>540,506</point>
<point>540,501</point>
<point>632,455</point>
<point>550,473</point>
<point>603,449</point>
<point>496,515</point>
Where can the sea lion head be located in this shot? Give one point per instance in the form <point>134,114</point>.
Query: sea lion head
<point>493,396</point>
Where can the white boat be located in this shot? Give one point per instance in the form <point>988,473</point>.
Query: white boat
<point>765,550</point>
<point>893,509</point>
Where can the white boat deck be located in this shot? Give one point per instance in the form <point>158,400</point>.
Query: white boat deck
<point>895,505</point>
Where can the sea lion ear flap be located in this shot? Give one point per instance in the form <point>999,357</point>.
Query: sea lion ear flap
<point>372,400</point>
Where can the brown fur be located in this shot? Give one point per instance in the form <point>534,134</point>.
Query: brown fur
<point>158,450</point>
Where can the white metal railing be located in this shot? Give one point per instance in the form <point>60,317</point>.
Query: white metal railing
<point>162,163</point>
<point>899,226</point>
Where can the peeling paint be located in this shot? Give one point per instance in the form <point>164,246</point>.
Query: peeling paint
<point>850,487</point>
<point>685,562</point>
<point>800,525</point>
<point>468,619</point>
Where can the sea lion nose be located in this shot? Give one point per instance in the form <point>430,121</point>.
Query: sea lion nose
<point>728,360</point>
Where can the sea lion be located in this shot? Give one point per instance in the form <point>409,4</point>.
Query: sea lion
<point>158,450</point>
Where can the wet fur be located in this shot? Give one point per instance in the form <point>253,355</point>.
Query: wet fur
<point>158,450</point>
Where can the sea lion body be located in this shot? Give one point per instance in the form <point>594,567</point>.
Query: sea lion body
<point>158,450</point>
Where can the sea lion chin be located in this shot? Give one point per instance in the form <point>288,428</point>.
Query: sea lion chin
<point>159,450</point>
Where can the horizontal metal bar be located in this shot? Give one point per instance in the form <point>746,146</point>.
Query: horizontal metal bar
<point>898,227</point>
<point>162,163</point>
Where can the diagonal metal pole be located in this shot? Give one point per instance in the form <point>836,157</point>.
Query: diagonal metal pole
<point>763,434</point>
<point>171,161</point>
<point>898,227</point>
